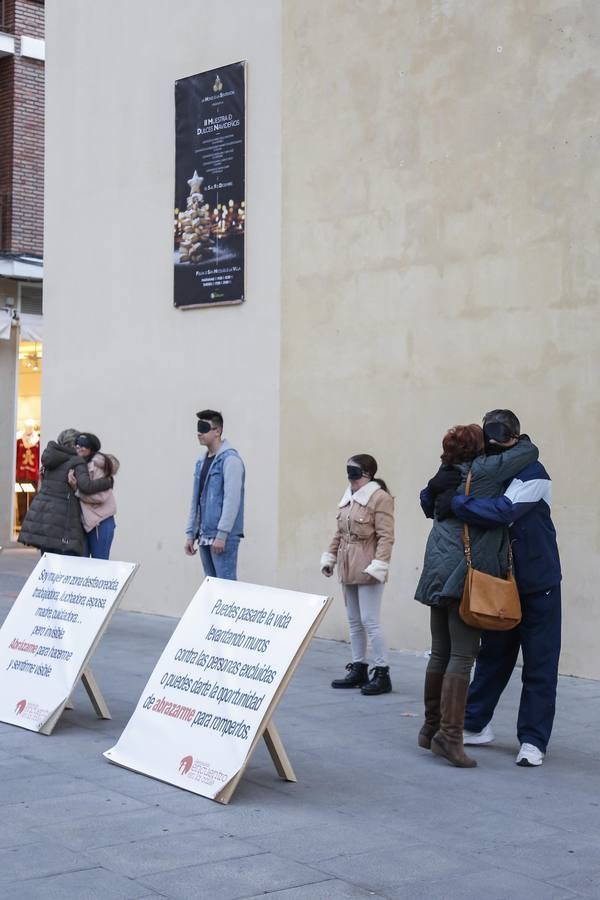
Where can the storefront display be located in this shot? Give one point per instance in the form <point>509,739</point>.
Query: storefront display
<point>27,450</point>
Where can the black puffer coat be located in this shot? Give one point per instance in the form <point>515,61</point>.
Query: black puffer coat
<point>53,521</point>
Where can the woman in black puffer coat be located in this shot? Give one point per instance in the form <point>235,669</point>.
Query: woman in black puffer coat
<point>53,521</point>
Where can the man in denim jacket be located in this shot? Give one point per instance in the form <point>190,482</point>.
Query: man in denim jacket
<point>216,520</point>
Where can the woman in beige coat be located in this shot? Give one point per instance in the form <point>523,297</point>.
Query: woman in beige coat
<point>361,548</point>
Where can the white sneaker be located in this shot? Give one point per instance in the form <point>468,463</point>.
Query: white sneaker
<point>529,755</point>
<point>485,736</point>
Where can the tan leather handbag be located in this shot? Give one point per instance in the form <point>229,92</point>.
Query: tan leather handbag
<point>488,602</point>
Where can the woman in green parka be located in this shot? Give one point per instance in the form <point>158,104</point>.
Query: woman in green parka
<point>454,645</point>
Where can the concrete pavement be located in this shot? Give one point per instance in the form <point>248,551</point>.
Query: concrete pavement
<point>370,816</point>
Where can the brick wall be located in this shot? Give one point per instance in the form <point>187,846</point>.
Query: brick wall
<point>22,135</point>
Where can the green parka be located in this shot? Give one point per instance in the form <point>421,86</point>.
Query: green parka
<point>444,567</point>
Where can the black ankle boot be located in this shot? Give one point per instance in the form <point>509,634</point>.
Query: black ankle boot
<point>358,674</point>
<point>380,682</point>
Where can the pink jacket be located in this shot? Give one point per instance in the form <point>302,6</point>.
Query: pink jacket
<point>97,507</point>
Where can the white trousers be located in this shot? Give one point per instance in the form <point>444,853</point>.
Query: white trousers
<point>363,608</point>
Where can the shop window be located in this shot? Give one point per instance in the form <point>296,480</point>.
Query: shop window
<point>28,427</point>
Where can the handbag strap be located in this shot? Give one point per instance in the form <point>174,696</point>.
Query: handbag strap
<point>467,537</point>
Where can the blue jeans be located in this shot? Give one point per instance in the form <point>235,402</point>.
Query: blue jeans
<point>538,636</point>
<point>221,565</point>
<point>100,538</point>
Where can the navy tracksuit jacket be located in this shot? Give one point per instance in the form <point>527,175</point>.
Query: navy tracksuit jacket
<point>525,507</point>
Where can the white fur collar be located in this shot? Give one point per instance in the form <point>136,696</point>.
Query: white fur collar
<point>362,496</point>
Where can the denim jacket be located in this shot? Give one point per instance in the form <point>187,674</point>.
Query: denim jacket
<point>222,501</point>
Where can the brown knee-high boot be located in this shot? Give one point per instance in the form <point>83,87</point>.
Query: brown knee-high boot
<point>448,741</point>
<point>431,695</point>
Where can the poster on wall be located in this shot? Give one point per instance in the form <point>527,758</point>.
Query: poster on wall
<point>216,683</point>
<point>210,182</point>
<point>50,633</point>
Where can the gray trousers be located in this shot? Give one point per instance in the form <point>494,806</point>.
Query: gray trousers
<point>454,645</point>
<point>363,608</point>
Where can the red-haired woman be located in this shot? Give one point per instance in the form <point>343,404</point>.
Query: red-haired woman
<point>455,645</point>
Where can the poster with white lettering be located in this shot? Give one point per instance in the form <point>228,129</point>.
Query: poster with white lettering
<point>214,684</point>
<point>51,631</point>
<point>209,221</point>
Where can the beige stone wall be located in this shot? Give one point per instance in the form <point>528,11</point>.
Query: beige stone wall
<point>438,162</point>
<point>440,200</point>
<point>119,359</point>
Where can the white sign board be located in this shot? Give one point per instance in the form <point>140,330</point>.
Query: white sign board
<point>51,631</point>
<point>196,721</point>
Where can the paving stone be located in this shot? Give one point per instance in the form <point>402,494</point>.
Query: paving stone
<point>491,884</point>
<point>73,806</point>
<point>182,803</point>
<point>41,786</point>
<point>584,884</point>
<point>103,831</point>
<point>89,884</point>
<point>309,845</point>
<point>545,859</point>
<point>232,879</point>
<point>40,858</point>
<point>381,870</point>
<point>13,835</point>
<point>169,851</point>
<point>332,889</point>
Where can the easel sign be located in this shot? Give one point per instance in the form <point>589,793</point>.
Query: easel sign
<point>213,692</point>
<point>51,633</point>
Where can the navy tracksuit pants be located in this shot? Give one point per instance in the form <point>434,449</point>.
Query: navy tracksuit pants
<point>538,636</point>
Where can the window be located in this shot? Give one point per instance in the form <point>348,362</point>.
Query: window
<point>31,298</point>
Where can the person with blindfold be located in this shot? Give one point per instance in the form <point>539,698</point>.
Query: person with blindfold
<point>97,510</point>
<point>216,520</point>
<point>361,548</point>
<point>525,508</point>
<point>454,644</point>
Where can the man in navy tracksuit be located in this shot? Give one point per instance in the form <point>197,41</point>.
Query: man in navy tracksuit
<point>525,508</point>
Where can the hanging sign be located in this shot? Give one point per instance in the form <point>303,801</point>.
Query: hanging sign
<point>215,687</point>
<point>50,633</point>
<point>210,187</point>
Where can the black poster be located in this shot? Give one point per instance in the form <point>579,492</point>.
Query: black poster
<point>210,180</point>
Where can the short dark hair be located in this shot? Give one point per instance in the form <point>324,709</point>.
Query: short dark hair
<point>462,444</point>
<point>211,415</point>
<point>507,417</point>
<point>89,440</point>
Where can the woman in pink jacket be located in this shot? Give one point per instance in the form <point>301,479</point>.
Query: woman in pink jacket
<point>98,515</point>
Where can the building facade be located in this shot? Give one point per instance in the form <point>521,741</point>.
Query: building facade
<point>421,205</point>
<point>22,53</point>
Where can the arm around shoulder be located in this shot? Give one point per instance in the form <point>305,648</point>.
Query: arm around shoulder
<point>87,485</point>
<point>504,466</point>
